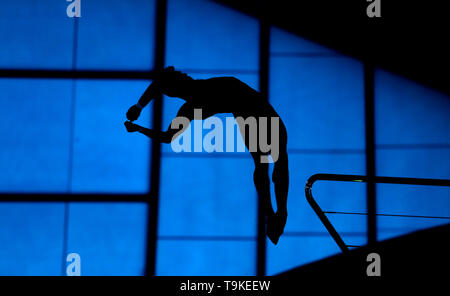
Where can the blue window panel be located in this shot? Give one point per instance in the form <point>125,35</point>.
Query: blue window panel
<point>409,199</point>
<point>172,105</point>
<point>320,97</point>
<point>106,157</point>
<point>283,42</point>
<point>32,239</point>
<point>207,196</point>
<point>205,35</point>
<point>409,147</point>
<point>115,34</point>
<point>109,237</point>
<point>211,258</point>
<point>36,34</point>
<point>400,103</point>
<point>390,227</point>
<point>36,131</point>
<point>320,100</point>
<point>414,163</point>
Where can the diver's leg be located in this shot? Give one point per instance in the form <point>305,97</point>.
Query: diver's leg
<point>262,184</point>
<point>280,178</point>
<point>160,136</point>
<point>261,179</point>
<point>261,173</point>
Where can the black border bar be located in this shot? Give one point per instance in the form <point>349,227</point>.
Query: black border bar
<point>72,197</point>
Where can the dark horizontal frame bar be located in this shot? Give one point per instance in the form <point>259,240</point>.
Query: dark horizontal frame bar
<point>307,55</point>
<point>206,238</point>
<point>245,154</point>
<point>326,151</point>
<point>78,197</point>
<point>311,151</point>
<point>358,178</point>
<point>105,74</point>
<point>217,155</point>
<point>413,146</point>
<point>77,74</point>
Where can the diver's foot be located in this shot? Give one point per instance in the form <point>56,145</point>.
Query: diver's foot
<point>275,226</point>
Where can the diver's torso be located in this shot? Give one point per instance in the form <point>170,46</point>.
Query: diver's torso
<point>225,95</point>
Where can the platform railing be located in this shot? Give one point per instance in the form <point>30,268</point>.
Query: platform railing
<point>357,178</point>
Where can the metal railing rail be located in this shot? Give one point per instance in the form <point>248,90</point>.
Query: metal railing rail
<point>357,178</point>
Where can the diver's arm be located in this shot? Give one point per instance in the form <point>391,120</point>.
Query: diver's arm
<point>152,91</point>
<point>160,136</point>
<point>178,126</point>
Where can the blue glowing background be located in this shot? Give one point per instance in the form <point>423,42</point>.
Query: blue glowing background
<point>67,136</point>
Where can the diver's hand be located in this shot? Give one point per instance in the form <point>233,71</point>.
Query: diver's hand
<point>134,112</point>
<point>131,127</point>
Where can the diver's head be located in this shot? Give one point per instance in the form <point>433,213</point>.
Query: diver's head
<point>175,83</point>
<point>170,73</point>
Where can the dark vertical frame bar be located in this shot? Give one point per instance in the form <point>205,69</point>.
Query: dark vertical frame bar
<point>369,99</point>
<point>264,44</point>
<point>152,225</point>
<point>71,147</point>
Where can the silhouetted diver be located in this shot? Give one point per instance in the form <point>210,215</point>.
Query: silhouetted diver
<point>224,95</point>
